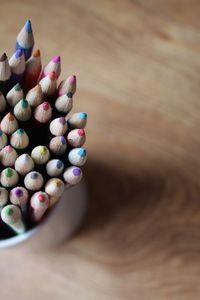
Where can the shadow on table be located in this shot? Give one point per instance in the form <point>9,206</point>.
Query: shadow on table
<point>140,207</point>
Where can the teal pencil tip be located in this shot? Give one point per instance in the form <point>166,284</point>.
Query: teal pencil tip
<point>28,26</point>
<point>83,115</point>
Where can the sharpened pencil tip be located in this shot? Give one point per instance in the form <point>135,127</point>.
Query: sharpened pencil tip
<point>41,198</point>
<point>18,53</point>
<point>17,87</point>
<point>45,105</point>
<point>10,116</point>
<point>56,59</point>
<point>71,79</point>
<point>3,57</point>
<point>28,26</point>
<point>36,53</point>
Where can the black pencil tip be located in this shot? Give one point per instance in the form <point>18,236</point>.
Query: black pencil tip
<point>3,57</point>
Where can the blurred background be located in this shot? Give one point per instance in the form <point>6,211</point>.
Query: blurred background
<point>138,69</point>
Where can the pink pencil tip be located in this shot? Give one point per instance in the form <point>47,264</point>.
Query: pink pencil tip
<point>56,59</point>
<point>71,79</point>
<point>8,149</point>
<point>52,76</point>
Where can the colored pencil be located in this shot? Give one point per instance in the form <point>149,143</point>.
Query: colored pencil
<point>43,113</point>
<point>2,103</point>
<point>19,196</point>
<point>77,157</point>
<point>48,84</point>
<point>9,124</point>
<point>40,155</point>
<point>33,181</point>
<point>24,164</point>
<point>5,73</point>
<point>53,66</point>
<point>72,175</point>
<point>76,137</point>
<point>64,103</point>
<point>58,145</point>
<point>35,96</point>
<point>8,156</point>
<point>25,39</point>
<point>41,147</point>
<point>9,177</point>
<point>39,204</point>
<point>67,86</point>
<point>3,139</point>
<point>54,187</point>
<point>58,126</point>
<point>3,196</point>
<point>33,69</point>
<point>14,95</point>
<point>12,216</point>
<point>54,167</point>
<point>22,110</point>
<point>19,139</point>
<point>17,65</point>
<point>77,120</point>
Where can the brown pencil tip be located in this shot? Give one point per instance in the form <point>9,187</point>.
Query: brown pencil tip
<point>3,57</point>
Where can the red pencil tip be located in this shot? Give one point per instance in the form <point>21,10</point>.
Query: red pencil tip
<point>52,76</point>
<point>81,132</point>
<point>45,105</point>
<point>41,198</point>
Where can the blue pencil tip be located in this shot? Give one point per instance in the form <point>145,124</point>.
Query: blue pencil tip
<point>28,26</point>
<point>82,152</point>
<point>18,53</point>
<point>59,164</point>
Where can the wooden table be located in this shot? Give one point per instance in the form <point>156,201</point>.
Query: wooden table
<point>138,67</point>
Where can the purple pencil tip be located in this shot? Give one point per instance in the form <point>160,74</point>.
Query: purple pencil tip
<point>18,53</point>
<point>28,27</point>
<point>56,59</point>
<point>63,140</point>
<point>76,172</point>
<point>18,193</point>
<point>62,120</point>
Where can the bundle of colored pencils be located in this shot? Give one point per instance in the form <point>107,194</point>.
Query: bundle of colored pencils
<point>40,146</point>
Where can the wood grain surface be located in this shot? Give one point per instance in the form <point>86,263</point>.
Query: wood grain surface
<point>138,68</point>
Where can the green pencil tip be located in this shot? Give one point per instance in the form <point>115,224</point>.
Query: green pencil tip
<point>9,211</point>
<point>20,131</point>
<point>8,172</point>
<point>17,87</point>
<point>24,103</point>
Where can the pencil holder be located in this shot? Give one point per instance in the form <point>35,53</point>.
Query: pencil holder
<point>56,228</point>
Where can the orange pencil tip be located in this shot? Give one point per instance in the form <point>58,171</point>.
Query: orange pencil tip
<point>36,53</point>
<point>10,116</point>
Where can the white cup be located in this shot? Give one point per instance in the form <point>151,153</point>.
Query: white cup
<point>64,219</point>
